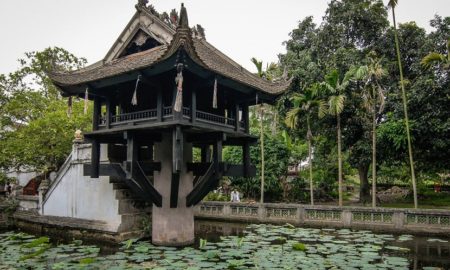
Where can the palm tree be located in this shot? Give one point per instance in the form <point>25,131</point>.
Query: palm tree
<point>258,65</point>
<point>306,103</point>
<point>336,102</point>
<point>392,4</point>
<point>373,97</point>
<point>437,58</point>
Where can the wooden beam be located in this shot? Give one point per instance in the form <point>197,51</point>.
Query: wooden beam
<point>208,137</point>
<point>232,170</point>
<point>203,186</point>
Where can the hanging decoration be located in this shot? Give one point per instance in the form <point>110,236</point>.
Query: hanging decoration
<point>69,106</point>
<point>134,100</point>
<point>215,94</point>
<point>86,99</point>
<point>257,99</point>
<point>179,81</point>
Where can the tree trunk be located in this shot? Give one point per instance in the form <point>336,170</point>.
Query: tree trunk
<point>339,159</point>
<point>262,156</point>
<point>374,151</point>
<point>405,110</point>
<point>309,138</point>
<point>364,194</point>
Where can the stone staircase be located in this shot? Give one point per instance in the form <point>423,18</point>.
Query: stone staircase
<point>134,211</point>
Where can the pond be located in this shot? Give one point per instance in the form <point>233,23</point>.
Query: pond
<point>235,246</point>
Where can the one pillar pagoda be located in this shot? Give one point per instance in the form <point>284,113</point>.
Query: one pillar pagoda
<point>158,93</point>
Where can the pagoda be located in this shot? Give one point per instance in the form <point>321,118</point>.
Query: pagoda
<point>161,91</point>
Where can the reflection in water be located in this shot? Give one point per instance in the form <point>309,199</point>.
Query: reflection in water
<point>424,251</point>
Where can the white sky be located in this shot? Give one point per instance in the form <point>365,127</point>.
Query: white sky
<point>240,28</point>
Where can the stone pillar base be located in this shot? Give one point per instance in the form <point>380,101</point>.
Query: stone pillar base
<point>172,226</point>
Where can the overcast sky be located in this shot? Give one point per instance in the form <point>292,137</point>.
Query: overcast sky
<point>240,28</point>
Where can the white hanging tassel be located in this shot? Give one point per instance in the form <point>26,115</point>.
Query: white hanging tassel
<point>179,97</point>
<point>134,100</point>
<point>215,94</point>
<point>86,99</point>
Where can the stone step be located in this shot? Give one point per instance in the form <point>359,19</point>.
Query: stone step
<point>127,194</point>
<point>120,186</point>
<point>129,206</point>
<point>135,221</point>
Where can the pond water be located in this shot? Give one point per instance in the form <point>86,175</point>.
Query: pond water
<point>235,246</point>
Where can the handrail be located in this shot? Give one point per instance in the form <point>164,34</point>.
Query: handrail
<point>167,111</point>
<point>215,118</point>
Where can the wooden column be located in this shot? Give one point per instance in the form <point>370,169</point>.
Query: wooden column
<point>159,105</point>
<point>132,153</point>
<point>108,113</point>
<point>96,113</point>
<point>194,106</point>
<point>245,117</point>
<point>217,156</point>
<point>205,153</point>
<point>95,159</point>
<point>246,158</point>
<point>236,117</point>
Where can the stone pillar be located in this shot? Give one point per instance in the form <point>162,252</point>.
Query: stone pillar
<point>172,226</point>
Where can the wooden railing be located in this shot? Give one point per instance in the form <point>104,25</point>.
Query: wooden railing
<point>213,118</point>
<point>386,219</point>
<point>168,112</point>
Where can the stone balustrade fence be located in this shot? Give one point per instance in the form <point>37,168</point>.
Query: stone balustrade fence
<point>434,222</point>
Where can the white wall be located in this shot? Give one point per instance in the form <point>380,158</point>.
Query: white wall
<point>23,177</point>
<point>73,195</point>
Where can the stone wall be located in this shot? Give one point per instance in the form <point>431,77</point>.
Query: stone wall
<point>429,222</point>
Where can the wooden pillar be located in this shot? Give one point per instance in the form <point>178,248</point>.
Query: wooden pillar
<point>246,158</point>
<point>159,105</point>
<point>245,117</point>
<point>96,114</point>
<point>95,159</point>
<point>194,106</point>
<point>217,156</point>
<point>205,153</point>
<point>132,153</point>
<point>236,117</point>
<point>108,113</point>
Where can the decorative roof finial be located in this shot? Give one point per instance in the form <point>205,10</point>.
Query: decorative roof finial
<point>183,22</point>
<point>142,4</point>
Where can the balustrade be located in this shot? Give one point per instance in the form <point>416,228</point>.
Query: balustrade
<point>168,112</point>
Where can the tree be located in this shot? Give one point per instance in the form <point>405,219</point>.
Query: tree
<point>336,102</point>
<point>437,58</point>
<point>392,4</point>
<point>373,100</point>
<point>35,130</point>
<point>306,103</point>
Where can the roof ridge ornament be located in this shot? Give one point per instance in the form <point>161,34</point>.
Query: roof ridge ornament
<point>141,4</point>
<point>183,21</point>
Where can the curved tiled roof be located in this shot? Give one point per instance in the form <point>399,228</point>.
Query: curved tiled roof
<point>199,50</point>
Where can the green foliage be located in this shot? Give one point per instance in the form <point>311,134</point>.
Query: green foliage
<point>202,243</point>
<point>275,167</point>
<point>299,247</point>
<point>35,130</point>
<point>216,197</point>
